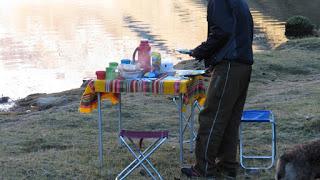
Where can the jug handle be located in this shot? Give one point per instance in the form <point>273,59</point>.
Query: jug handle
<point>134,55</point>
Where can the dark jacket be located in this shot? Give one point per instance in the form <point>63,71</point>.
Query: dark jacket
<point>230,33</point>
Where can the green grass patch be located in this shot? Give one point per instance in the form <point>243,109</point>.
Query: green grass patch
<point>60,143</point>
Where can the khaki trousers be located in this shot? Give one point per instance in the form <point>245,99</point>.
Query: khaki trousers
<point>219,120</point>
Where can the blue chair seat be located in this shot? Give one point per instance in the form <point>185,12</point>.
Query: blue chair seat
<point>257,116</point>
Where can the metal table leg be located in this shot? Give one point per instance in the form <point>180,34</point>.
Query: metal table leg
<point>191,127</point>
<point>181,128</point>
<point>119,120</point>
<point>100,132</point>
<point>189,122</point>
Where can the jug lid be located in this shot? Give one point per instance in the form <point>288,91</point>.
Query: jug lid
<point>144,41</point>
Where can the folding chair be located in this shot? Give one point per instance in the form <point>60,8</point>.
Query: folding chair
<point>258,116</point>
<point>142,158</point>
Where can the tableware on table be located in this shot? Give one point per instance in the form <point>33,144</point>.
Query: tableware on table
<point>129,67</point>
<point>125,61</point>
<point>111,73</point>
<point>150,75</point>
<point>144,58</point>
<point>167,66</point>
<point>101,75</point>
<point>184,51</point>
<point>156,62</point>
<point>171,72</point>
<point>113,65</point>
<point>190,73</point>
<point>130,71</point>
<point>131,74</point>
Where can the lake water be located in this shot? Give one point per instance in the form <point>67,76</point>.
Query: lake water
<point>51,45</point>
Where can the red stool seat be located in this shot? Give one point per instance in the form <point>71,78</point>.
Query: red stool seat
<point>142,156</point>
<point>144,134</point>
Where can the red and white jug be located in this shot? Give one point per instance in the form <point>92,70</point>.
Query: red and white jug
<point>144,55</point>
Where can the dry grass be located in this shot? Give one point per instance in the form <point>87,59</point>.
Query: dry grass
<point>60,143</point>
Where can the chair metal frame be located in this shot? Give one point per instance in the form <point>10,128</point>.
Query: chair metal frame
<point>258,116</point>
<point>141,157</point>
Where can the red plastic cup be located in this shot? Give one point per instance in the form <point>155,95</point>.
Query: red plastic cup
<point>101,75</point>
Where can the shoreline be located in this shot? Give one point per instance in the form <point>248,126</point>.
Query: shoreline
<point>51,99</point>
<point>262,43</point>
<point>15,93</point>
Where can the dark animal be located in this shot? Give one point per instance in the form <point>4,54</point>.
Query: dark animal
<point>302,162</point>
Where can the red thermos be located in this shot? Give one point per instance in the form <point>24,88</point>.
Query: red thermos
<point>144,55</point>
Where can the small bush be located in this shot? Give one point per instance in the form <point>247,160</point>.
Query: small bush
<point>298,26</point>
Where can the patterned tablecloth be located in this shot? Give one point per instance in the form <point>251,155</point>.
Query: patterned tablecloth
<point>191,88</point>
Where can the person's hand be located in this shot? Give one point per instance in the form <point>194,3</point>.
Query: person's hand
<point>190,52</point>
<point>208,71</point>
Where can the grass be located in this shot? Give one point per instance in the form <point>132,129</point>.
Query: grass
<point>60,143</point>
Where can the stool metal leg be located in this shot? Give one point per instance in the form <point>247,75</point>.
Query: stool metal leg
<point>140,161</point>
<point>273,143</point>
<point>150,164</point>
<point>136,160</point>
<point>273,150</point>
<point>135,164</point>
<point>274,137</point>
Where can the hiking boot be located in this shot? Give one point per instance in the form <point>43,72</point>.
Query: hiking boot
<point>192,172</point>
<point>226,173</point>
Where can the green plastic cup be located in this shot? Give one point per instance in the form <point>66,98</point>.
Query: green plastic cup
<point>111,73</point>
<point>113,65</point>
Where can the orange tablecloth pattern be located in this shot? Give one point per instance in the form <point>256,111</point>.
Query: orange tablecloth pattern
<point>191,88</point>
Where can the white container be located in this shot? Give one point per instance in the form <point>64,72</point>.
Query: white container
<point>131,74</point>
<point>128,67</point>
<point>171,73</point>
<point>167,66</point>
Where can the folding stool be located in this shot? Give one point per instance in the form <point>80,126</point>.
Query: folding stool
<point>141,158</point>
<point>258,116</point>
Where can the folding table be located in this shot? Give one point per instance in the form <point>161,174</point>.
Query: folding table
<point>187,91</point>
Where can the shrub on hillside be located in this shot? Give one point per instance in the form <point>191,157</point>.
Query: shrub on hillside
<point>298,26</point>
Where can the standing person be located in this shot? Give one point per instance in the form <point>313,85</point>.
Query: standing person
<point>228,53</point>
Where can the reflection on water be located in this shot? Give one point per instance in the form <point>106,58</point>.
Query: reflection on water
<point>268,31</point>
<point>270,17</point>
<point>284,9</point>
<point>49,46</point>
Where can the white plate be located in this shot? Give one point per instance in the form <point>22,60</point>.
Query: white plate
<point>190,72</point>
<point>183,51</point>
